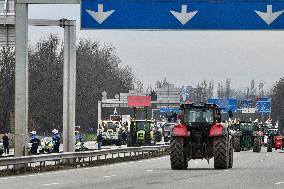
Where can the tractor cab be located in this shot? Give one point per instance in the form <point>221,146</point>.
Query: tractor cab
<point>200,116</point>
<point>140,128</point>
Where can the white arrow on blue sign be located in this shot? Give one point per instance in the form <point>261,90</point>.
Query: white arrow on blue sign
<point>183,14</point>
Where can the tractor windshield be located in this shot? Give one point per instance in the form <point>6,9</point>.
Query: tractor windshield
<point>140,125</point>
<point>110,125</point>
<point>247,126</point>
<point>272,131</point>
<point>198,115</point>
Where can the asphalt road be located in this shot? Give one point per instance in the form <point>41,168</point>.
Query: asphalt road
<point>250,171</point>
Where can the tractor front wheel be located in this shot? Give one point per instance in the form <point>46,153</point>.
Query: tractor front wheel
<point>231,154</point>
<point>177,156</point>
<point>221,152</point>
<point>257,144</point>
<point>237,143</point>
<point>269,145</point>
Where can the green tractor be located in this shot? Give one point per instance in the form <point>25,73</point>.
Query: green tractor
<point>140,133</point>
<point>247,137</point>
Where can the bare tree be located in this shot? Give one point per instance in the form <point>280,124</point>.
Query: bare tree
<point>7,80</point>
<point>228,88</point>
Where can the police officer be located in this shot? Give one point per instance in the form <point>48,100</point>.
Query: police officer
<point>100,140</point>
<point>35,142</point>
<point>6,143</point>
<point>55,140</point>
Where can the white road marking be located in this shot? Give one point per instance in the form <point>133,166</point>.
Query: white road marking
<point>50,184</point>
<point>149,170</point>
<point>140,161</point>
<point>226,170</point>
<point>107,176</point>
<point>277,183</point>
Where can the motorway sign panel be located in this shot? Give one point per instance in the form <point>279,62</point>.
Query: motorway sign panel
<point>110,105</point>
<point>263,105</point>
<point>248,110</point>
<point>182,15</point>
<point>139,101</point>
<point>246,103</point>
<point>7,24</point>
<point>226,104</point>
<point>169,109</point>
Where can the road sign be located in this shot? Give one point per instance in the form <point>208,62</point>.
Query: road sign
<point>110,105</point>
<point>7,23</point>
<point>180,14</point>
<point>227,104</point>
<point>168,109</point>
<point>139,101</point>
<point>168,93</point>
<point>263,106</point>
<point>248,110</point>
<point>246,103</point>
<point>123,96</point>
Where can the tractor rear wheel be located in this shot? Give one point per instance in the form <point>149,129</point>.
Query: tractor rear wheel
<point>237,143</point>
<point>231,154</point>
<point>256,144</point>
<point>221,152</point>
<point>269,145</point>
<point>177,156</point>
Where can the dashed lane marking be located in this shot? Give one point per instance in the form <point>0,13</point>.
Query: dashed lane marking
<point>50,184</point>
<point>277,183</point>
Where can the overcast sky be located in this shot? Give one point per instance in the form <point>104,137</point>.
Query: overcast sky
<point>183,57</point>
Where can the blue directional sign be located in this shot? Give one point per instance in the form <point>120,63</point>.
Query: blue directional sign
<point>263,105</point>
<point>246,103</point>
<point>227,104</point>
<point>176,110</point>
<point>182,14</point>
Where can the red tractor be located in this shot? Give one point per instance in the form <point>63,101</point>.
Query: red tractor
<point>278,142</point>
<point>274,140</point>
<point>201,134</point>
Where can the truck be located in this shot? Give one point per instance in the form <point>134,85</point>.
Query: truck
<point>201,135</point>
<point>111,133</point>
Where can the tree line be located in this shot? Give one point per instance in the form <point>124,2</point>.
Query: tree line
<point>98,69</point>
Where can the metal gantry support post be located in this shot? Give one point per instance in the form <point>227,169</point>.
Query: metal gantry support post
<point>21,76</point>
<point>69,85</point>
<point>99,115</point>
<point>21,80</point>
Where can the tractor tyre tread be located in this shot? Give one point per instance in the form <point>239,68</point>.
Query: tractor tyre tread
<point>269,145</point>
<point>257,144</point>
<point>221,152</point>
<point>237,144</point>
<point>177,154</point>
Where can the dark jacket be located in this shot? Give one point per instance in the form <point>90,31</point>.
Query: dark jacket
<point>99,138</point>
<point>5,140</point>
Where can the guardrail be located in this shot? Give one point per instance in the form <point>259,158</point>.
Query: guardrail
<point>59,158</point>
